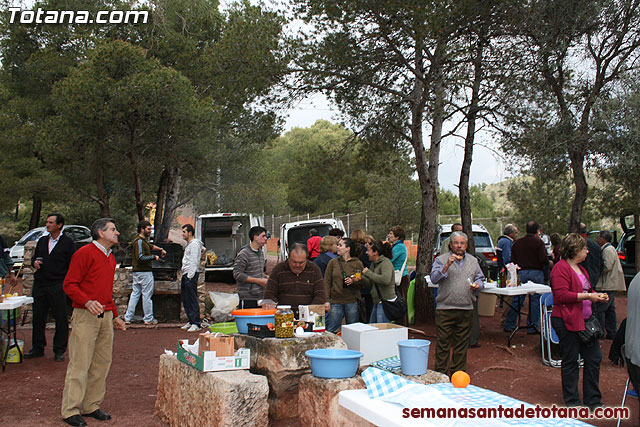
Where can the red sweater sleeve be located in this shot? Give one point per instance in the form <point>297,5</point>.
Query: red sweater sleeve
<point>77,271</point>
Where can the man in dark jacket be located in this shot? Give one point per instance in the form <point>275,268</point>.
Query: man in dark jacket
<point>530,254</point>
<point>594,263</point>
<point>51,260</point>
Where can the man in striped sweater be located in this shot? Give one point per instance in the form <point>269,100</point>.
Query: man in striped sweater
<point>249,269</point>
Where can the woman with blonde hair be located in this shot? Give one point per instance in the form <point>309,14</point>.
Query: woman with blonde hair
<point>328,251</point>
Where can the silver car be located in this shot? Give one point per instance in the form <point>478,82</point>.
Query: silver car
<point>78,233</point>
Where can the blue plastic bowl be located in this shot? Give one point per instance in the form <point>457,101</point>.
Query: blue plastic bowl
<point>243,321</point>
<point>333,363</point>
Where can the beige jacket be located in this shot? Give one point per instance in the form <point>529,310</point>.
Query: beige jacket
<point>612,277</point>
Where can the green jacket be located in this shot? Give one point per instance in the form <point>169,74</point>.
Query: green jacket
<point>381,273</point>
<point>142,258</point>
<point>334,291</point>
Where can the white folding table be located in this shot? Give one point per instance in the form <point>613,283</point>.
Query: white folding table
<point>11,307</point>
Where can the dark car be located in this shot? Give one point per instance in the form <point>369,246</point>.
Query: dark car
<point>627,248</point>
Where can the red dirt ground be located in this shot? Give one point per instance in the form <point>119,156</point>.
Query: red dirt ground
<point>31,392</point>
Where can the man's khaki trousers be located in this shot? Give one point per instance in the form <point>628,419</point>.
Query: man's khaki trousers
<point>90,348</point>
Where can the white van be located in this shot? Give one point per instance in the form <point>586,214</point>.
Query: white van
<point>298,232</point>
<point>225,234</point>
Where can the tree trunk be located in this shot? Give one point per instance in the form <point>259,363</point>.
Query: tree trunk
<point>636,224</point>
<point>171,203</point>
<point>35,212</point>
<point>576,155</point>
<point>136,186</point>
<point>103,197</point>
<point>160,198</point>
<point>428,178</point>
<point>465,171</point>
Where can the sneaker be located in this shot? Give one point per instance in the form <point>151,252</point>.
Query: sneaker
<point>153,322</point>
<point>193,328</point>
<point>185,327</point>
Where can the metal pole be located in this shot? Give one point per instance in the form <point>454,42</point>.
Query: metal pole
<point>348,224</point>
<point>366,220</point>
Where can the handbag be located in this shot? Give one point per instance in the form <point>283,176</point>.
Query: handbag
<point>395,309</point>
<point>592,330</point>
<point>397,274</point>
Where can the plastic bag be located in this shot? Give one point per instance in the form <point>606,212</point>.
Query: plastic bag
<point>512,274</point>
<point>223,304</point>
<point>212,258</point>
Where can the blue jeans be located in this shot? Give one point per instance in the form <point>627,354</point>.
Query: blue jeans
<point>533,319</point>
<point>142,285</point>
<point>189,290</point>
<point>338,311</point>
<point>377,314</point>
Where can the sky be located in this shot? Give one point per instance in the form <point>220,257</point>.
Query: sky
<point>487,166</point>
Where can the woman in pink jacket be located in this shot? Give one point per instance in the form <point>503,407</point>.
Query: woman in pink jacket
<point>573,298</point>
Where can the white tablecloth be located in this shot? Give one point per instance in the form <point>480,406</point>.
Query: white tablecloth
<point>10,305</point>
<point>386,414</point>
<point>491,288</point>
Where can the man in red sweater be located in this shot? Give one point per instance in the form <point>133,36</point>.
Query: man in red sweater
<point>89,284</point>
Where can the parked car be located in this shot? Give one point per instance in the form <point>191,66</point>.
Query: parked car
<point>481,238</point>
<point>627,248</point>
<point>80,234</point>
<point>298,232</point>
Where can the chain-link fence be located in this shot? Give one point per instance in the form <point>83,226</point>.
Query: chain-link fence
<point>378,225</point>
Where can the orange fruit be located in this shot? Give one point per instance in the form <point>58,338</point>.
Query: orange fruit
<point>460,379</point>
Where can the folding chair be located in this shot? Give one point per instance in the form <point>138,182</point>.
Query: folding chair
<point>627,391</point>
<point>548,335</point>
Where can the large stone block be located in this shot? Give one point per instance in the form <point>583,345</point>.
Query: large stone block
<point>188,397</point>
<point>318,402</point>
<point>283,362</point>
<point>431,377</point>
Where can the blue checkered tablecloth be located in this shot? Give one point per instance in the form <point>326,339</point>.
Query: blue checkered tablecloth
<point>389,387</point>
<point>380,383</point>
<point>391,364</point>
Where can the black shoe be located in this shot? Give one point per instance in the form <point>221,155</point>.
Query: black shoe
<point>75,420</point>
<point>508,330</point>
<point>476,345</point>
<point>98,415</point>
<point>533,332</point>
<point>59,357</point>
<point>33,354</point>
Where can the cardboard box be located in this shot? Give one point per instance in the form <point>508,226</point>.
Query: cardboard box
<point>209,362</point>
<point>487,304</point>
<point>223,345</point>
<point>376,341</point>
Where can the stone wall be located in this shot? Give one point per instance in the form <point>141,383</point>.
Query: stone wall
<point>122,282</point>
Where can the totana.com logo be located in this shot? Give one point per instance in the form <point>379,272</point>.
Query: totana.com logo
<point>41,16</point>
